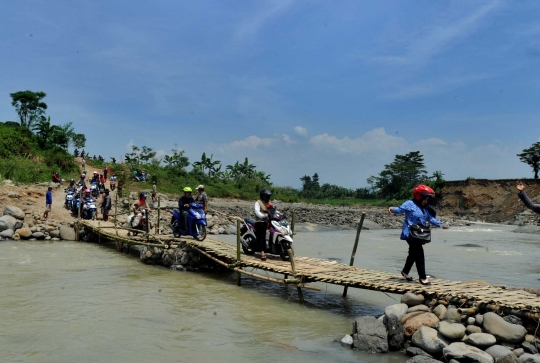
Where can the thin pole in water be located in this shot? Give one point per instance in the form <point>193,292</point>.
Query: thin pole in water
<point>238,255</point>
<point>158,213</point>
<point>358,230</point>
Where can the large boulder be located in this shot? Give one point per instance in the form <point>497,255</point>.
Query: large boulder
<point>452,331</point>
<point>429,340</point>
<point>466,353</point>
<point>452,315</point>
<point>412,299</point>
<point>498,351</point>
<point>54,234</point>
<point>38,235</point>
<point>370,335</point>
<point>481,340</point>
<point>397,310</point>
<point>424,319</point>
<point>8,233</point>
<point>440,310</point>
<point>13,211</point>
<point>67,233</point>
<point>24,233</point>
<point>502,330</point>
<point>7,222</point>
<point>395,329</point>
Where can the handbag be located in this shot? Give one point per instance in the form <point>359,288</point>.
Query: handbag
<point>420,233</point>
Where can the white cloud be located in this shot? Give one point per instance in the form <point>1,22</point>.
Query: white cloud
<point>301,131</point>
<point>288,140</point>
<point>252,142</point>
<point>376,139</point>
<point>349,161</point>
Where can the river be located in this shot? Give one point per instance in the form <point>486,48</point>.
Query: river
<point>78,302</point>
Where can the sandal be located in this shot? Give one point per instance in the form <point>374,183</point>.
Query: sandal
<point>263,258</point>
<point>424,283</point>
<point>407,277</point>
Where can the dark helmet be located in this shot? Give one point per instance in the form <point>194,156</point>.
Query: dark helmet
<point>107,191</point>
<point>143,195</point>
<point>265,195</point>
<point>422,191</point>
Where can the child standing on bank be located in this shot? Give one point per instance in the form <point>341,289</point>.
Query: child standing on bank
<point>48,203</point>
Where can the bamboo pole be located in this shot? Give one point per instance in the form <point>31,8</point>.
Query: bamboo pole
<point>115,207</point>
<point>238,255</point>
<point>292,221</point>
<point>158,213</point>
<point>358,230</point>
<point>293,266</point>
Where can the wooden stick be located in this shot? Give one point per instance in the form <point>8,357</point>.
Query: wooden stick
<point>238,255</point>
<point>358,230</point>
<point>158,213</point>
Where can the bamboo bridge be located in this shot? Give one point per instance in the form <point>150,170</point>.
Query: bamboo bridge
<point>300,271</point>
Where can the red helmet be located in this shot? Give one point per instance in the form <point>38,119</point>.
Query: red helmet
<point>421,191</point>
<point>87,190</point>
<point>83,176</point>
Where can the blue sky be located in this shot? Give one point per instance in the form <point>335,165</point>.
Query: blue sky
<point>333,87</point>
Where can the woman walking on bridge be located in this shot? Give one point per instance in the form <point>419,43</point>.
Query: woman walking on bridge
<point>418,216</point>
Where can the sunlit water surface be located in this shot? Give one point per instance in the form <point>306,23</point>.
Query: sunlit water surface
<point>78,302</point>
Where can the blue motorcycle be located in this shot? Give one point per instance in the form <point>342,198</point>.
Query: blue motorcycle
<point>69,199</point>
<point>89,210</point>
<point>196,222</point>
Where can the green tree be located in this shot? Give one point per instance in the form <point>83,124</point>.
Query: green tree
<point>29,106</point>
<point>399,177</point>
<point>208,166</point>
<point>531,156</point>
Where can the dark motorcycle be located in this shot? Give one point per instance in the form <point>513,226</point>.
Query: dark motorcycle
<point>278,235</point>
<point>196,222</point>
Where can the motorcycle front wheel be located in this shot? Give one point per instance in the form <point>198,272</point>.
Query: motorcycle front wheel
<point>201,232</point>
<point>283,251</point>
<point>249,240</point>
<point>93,215</point>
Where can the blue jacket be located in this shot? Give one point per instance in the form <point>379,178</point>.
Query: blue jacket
<point>415,215</point>
<point>48,197</point>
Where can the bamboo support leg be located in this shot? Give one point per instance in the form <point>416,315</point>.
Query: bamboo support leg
<point>358,230</point>
<point>238,255</point>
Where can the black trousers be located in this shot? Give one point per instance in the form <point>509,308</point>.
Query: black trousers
<point>260,233</point>
<point>416,255</point>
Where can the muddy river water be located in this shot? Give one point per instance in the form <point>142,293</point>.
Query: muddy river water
<point>78,302</point>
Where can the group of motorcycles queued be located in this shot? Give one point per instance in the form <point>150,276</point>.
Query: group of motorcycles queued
<point>73,203</point>
<point>278,234</point>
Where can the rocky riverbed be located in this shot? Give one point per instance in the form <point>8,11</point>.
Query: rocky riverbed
<point>432,332</point>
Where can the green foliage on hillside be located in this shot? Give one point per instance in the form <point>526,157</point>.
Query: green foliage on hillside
<point>33,149</point>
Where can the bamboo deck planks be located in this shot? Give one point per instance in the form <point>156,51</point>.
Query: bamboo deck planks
<point>332,272</point>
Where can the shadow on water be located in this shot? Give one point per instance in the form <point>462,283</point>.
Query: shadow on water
<point>324,300</point>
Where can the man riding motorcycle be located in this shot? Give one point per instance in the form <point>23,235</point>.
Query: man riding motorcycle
<point>82,181</point>
<point>71,185</point>
<point>183,205</point>
<point>95,178</point>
